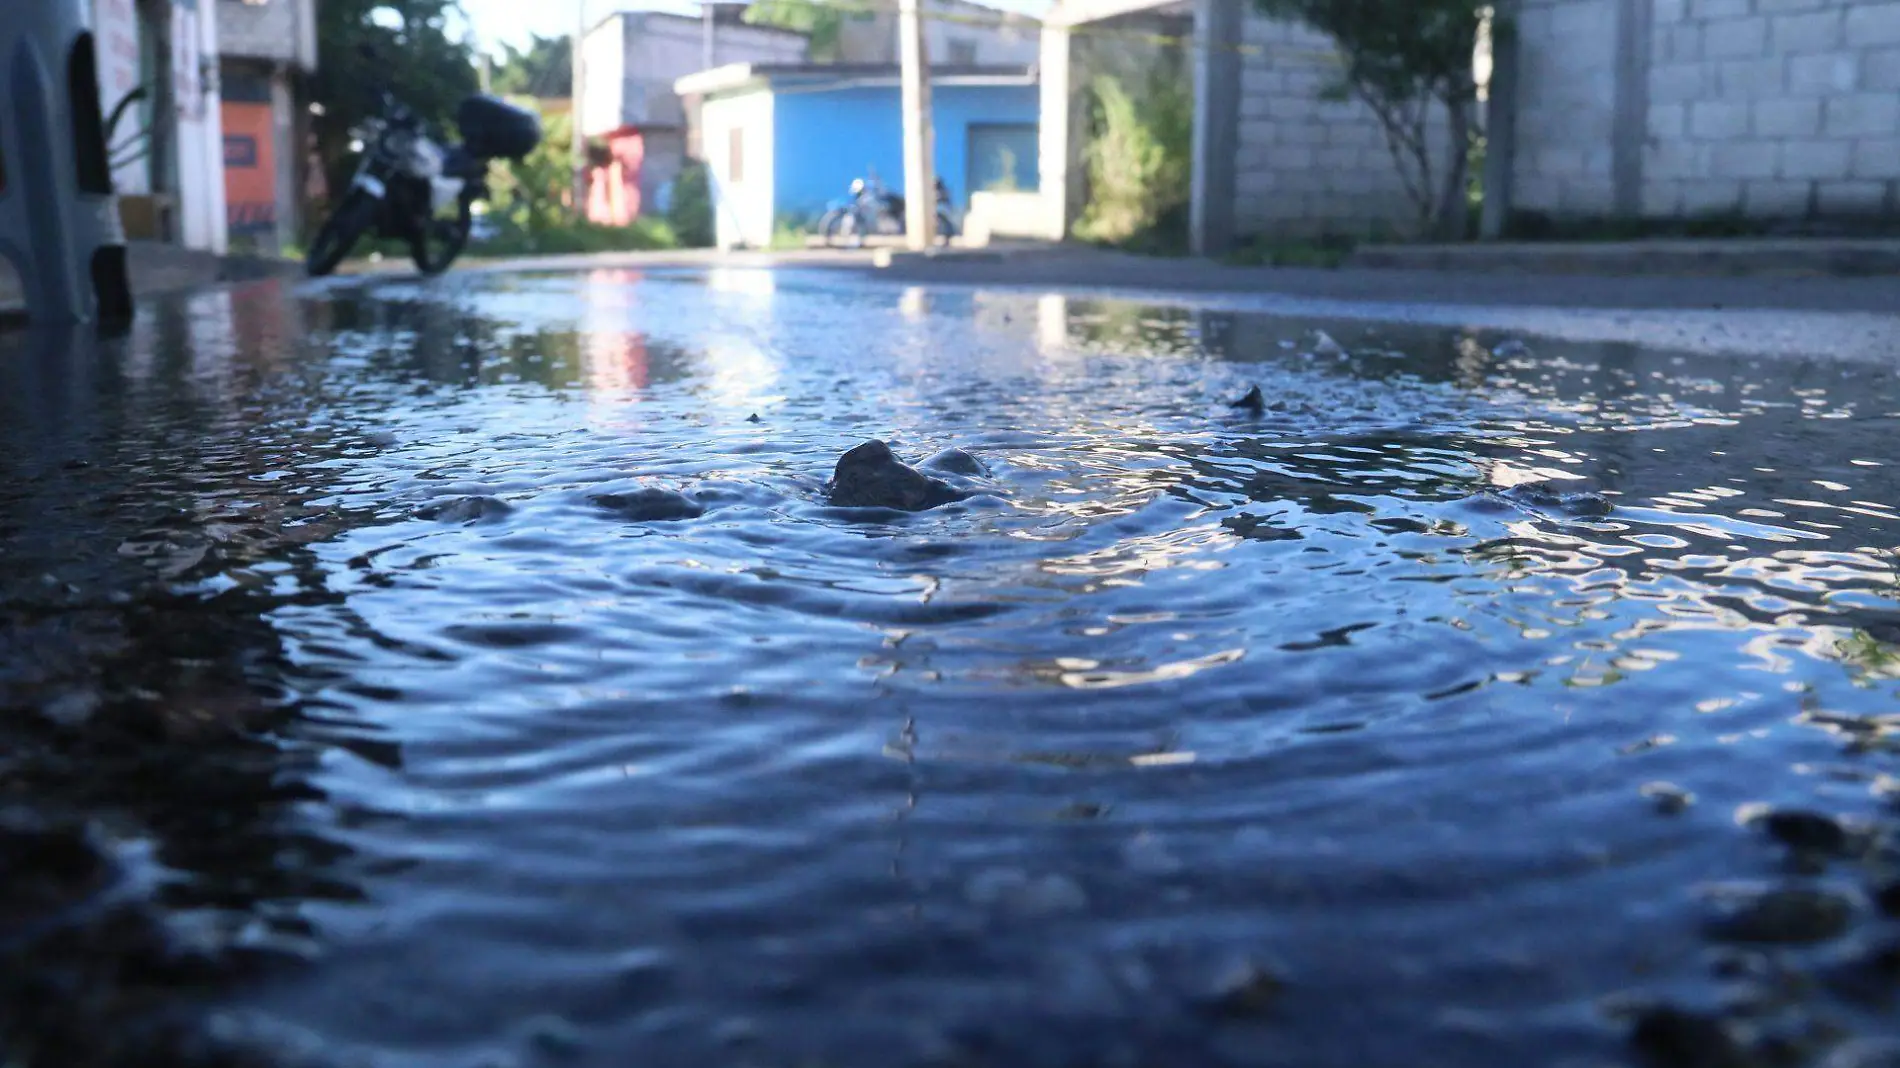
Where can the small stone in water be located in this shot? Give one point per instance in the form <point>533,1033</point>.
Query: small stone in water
<point>1245,989</point>
<point>1811,831</point>
<point>1790,915</point>
<point>1540,495</point>
<point>465,509</point>
<point>1668,1037</point>
<point>554,1035</point>
<point>71,708</point>
<point>650,505</point>
<point>1015,892</point>
<point>754,418</point>
<point>1668,798</point>
<point>737,1031</point>
<point>956,462</point>
<point>871,476</point>
<point>1254,401</point>
<point>1324,345</point>
<point>1865,1053</point>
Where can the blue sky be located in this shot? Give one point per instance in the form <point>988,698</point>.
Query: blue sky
<point>495,21</point>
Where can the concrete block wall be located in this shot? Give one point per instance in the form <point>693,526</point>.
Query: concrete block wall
<point>1770,108</point>
<point>281,30</point>
<point>1566,106</point>
<point>1774,108</point>
<point>1306,166</point>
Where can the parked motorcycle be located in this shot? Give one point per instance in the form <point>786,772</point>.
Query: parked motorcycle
<point>410,188</point>
<point>872,209</point>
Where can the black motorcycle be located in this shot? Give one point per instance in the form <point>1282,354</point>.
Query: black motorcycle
<point>410,188</point>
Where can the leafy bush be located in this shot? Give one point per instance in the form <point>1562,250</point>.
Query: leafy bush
<point>642,235</point>
<point>691,212</point>
<point>1138,157</point>
<point>1326,251</point>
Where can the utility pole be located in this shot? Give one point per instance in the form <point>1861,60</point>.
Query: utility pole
<point>577,144</point>
<point>706,34</point>
<point>920,144</point>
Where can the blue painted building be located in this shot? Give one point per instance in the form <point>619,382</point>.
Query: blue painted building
<point>781,141</point>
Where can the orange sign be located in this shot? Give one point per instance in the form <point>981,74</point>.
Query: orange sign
<point>250,168</point>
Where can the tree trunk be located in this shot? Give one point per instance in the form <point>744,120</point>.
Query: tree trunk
<point>1454,207</point>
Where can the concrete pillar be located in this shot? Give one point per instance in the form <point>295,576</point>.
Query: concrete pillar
<point>1500,125</point>
<point>1217,34</point>
<point>1630,121</point>
<point>1058,137</point>
<point>920,142</point>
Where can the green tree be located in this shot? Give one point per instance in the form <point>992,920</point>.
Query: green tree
<point>1138,157</point>
<point>691,212</point>
<point>1403,58</point>
<point>818,20</point>
<point>544,68</point>
<point>413,58</point>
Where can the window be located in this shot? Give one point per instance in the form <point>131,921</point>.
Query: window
<point>735,155</point>
<point>1002,157</point>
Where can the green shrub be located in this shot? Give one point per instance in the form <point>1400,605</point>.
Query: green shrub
<point>691,212</point>
<point>1327,251</point>
<point>642,235</point>
<point>1138,163</point>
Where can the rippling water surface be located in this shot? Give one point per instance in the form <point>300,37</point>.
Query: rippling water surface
<point>1306,737</point>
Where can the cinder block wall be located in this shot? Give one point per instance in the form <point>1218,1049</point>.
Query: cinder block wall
<point>259,31</point>
<point>1769,108</point>
<point>1308,166</point>
<point>1566,106</point>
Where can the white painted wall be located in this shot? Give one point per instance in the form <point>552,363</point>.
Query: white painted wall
<point>742,209</point>
<point>633,59</point>
<point>603,69</point>
<point>201,220</point>
<point>961,32</point>
<point>117,40</point>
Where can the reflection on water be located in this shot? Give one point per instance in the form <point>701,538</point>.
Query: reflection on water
<point>1332,734</point>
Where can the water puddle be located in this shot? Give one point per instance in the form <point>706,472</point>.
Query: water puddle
<point>1467,699</point>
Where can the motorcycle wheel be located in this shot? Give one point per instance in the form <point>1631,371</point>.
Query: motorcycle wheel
<point>339,233</point>
<point>441,240</point>
<point>839,224</point>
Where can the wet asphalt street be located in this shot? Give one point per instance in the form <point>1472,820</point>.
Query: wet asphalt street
<point>488,672</point>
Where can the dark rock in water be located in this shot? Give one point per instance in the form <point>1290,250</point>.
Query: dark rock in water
<point>1539,495</point>
<point>650,505</point>
<point>956,462</point>
<point>47,868</point>
<point>1792,915</point>
<point>1807,831</point>
<point>465,509</point>
<point>870,476</point>
<point>1888,898</point>
<point>1668,1037</point>
<point>754,418</point>
<point>1254,401</point>
<point>1868,976</point>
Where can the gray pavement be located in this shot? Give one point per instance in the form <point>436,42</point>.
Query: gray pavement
<point>1779,315</point>
<point>1785,317</point>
